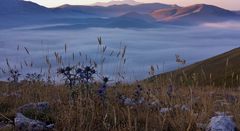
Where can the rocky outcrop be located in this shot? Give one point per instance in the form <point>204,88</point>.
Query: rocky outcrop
<point>221,122</point>
<point>23,123</point>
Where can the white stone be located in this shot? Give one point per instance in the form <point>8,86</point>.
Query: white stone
<point>165,110</point>
<point>23,123</point>
<point>221,122</point>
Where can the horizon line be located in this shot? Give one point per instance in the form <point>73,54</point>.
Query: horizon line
<point>131,5</point>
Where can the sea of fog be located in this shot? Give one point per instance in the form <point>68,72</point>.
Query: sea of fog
<point>145,47</point>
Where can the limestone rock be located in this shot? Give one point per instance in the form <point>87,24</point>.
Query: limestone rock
<point>221,122</point>
<point>23,123</point>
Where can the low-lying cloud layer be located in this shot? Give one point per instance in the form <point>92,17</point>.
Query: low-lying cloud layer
<point>224,25</point>
<point>145,47</point>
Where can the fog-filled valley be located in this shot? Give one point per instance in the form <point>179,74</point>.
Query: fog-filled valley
<point>145,47</point>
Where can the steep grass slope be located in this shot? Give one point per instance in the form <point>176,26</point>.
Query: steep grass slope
<point>222,70</point>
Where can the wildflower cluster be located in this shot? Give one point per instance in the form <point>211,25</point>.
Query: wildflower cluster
<point>138,93</point>
<point>34,77</point>
<point>14,75</point>
<point>102,90</point>
<point>77,75</point>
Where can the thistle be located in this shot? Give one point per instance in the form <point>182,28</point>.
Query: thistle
<point>102,90</point>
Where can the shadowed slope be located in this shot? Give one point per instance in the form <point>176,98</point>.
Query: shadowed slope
<point>19,7</point>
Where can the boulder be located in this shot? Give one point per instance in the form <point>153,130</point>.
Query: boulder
<point>23,123</point>
<point>221,122</point>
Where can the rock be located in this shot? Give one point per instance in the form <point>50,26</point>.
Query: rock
<point>202,126</point>
<point>155,103</point>
<point>165,110</point>
<point>12,94</point>
<point>5,126</point>
<point>130,102</point>
<point>51,126</point>
<point>180,107</point>
<point>23,123</point>
<point>221,122</point>
<point>184,108</point>
<point>41,106</point>
<point>139,101</point>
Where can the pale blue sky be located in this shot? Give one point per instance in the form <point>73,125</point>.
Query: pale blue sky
<point>228,4</point>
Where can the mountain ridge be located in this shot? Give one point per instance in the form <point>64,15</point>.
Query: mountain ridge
<point>116,10</point>
<point>116,2</point>
<point>194,13</point>
<point>21,7</point>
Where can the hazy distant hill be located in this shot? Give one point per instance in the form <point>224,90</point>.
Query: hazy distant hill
<point>137,16</point>
<point>117,2</point>
<point>16,13</point>
<point>19,7</point>
<point>114,10</point>
<point>133,19</point>
<point>215,71</point>
<point>194,14</point>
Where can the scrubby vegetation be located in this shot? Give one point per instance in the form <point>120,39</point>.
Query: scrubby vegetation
<point>88,100</point>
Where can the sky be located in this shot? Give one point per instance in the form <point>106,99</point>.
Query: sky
<point>227,4</point>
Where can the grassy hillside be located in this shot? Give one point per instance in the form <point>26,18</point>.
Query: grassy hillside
<point>85,104</point>
<point>221,70</point>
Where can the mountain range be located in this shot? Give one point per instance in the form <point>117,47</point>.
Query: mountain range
<point>194,14</point>
<point>123,14</point>
<point>114,10</point>
<point>115,2</point>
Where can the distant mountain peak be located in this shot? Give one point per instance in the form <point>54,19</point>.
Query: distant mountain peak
<point>198,12</point>
<point>135,15</point>
<point>117,2</point>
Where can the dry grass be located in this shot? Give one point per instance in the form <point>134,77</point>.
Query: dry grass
<point>88,113</point>
<point>221,70</point>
